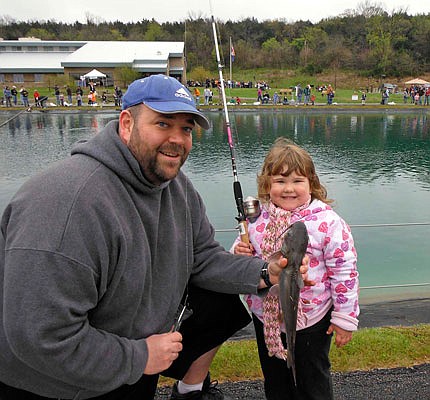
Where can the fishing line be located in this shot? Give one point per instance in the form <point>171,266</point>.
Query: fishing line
<point>233,124</point>
<point>237,189</point>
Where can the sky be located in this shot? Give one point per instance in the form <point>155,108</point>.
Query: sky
<point>179,10</point>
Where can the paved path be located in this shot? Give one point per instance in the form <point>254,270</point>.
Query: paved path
<point>381,384</point>
<point>390,313</point>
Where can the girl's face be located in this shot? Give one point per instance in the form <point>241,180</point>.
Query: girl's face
<point>289,192</point>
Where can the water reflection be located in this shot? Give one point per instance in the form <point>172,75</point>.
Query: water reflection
<point>365,147</point>
<point>357,148</point>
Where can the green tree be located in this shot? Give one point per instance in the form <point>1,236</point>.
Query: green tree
<point>41,33</point>
<point>125,75</point>
<point>373,41</point>
<point>136,32</point>
<point>199,43</point>
<point>379,38</point>
<point>336,56</point>
<point>272,52</point>
<point>115,35</point>
<point>199,74</point>
<point>154,32</point>
<point>418,40</point>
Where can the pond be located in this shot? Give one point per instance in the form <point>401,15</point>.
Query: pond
<point>376,166</point>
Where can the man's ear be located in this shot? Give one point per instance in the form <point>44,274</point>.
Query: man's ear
<point>126,123</point>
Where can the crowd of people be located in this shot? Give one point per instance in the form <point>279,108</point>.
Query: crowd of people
<point>63,96</point>
<point>298,95</point>
<point>417,94</point>
<point>13,98</point>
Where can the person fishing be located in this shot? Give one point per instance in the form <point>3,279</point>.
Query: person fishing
<point>104,254</point>
<point>290,191</point>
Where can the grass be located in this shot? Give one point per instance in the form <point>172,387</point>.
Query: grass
<point>371,348</point>
<point>341,96</point>
<point>346,83</point>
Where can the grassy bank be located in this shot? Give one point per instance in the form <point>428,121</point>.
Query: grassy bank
<point>344,96</point>
<point>346,85</point>
<point>371,348</point>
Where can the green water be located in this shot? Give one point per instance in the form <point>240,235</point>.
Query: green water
<point>376,166</point>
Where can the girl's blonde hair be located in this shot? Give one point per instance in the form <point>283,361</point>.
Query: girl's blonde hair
<point>284,158</point>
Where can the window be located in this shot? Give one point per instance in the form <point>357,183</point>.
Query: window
<point>2,78</point>
<point>18,78</point>
<point>47,48</point>
<point>38,78</point>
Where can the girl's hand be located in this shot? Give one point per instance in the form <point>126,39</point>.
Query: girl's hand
<point>244,249</point>
<point>342,337</point>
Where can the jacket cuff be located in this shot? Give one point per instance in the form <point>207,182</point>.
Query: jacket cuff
<point>343,321</point>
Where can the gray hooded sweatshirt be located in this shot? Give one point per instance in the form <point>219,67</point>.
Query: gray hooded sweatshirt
<point>94,259</point>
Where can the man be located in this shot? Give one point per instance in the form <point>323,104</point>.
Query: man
<point>99,252</point>
<point>57,94</point>
<point>14,93</point>
<point>197,96</point>
<point>69,95</point>
<point>7,96</point>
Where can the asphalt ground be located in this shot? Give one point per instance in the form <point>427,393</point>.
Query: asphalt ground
<point>389,313</point>
<point>379,384</point>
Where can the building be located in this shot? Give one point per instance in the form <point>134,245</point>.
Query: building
<point>35,62</point>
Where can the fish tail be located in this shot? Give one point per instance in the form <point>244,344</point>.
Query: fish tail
<point>294,375</point>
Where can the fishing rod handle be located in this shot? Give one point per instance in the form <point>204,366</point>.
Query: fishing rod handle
<point>243,231</point>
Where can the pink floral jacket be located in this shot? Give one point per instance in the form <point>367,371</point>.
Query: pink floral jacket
<point>332,266</point>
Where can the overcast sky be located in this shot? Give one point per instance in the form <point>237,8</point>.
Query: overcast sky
<point>179,10</point>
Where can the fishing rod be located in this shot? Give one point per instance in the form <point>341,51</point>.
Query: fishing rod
<point>27,109</point>
<point>15,116</point>
<point>237,189</point>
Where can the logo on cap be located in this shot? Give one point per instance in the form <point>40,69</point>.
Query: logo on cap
<point>183,94</point>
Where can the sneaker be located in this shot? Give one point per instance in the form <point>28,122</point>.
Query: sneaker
<point>209,392</point>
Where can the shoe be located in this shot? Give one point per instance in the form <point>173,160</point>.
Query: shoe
<point>209,392</point>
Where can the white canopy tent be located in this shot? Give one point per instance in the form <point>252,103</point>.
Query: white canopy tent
<point>416,81</point>
<point>94,74</point>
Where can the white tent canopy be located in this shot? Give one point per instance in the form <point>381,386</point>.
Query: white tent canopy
<point>416,81</point>
<point>94,74</point>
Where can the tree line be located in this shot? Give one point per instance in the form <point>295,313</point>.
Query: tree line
<point>368,39</point>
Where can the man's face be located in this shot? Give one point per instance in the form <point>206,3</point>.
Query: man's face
<point>160,142</point>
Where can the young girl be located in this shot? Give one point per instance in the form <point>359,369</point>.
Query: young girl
<point>290,191</point>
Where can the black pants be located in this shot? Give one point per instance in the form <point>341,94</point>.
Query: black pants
<point>312,365</point>
<point>216,317</point>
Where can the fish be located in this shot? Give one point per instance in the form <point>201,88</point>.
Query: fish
<point>294,245</point>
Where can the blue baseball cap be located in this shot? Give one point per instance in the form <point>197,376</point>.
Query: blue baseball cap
<point>165,95</point>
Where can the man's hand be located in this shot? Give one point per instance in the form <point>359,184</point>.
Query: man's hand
<point>163,349</point>
<point>276,266</point>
